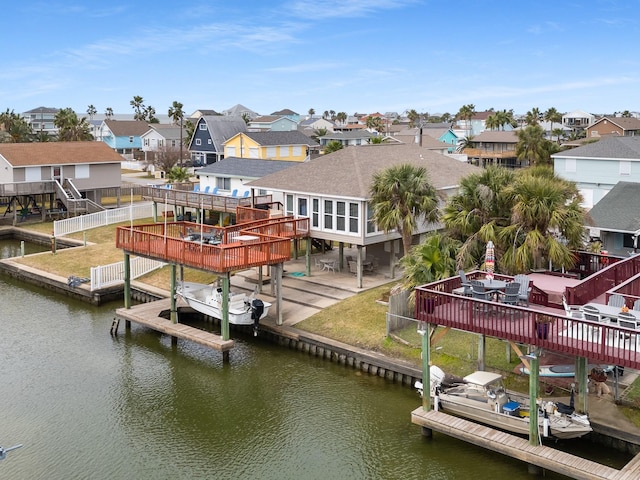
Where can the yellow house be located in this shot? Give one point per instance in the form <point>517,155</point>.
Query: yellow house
<point>291,146</point>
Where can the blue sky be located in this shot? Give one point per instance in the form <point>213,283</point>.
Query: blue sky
<point>343,55</point>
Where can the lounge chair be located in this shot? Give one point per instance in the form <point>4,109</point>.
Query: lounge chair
<point>616,300</point>
<point>234,193</point>
<point>525,290</point>
<point>215,191</point>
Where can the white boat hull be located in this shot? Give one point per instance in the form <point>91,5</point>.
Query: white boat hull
<point>207,300</point>
<point>491,405</point>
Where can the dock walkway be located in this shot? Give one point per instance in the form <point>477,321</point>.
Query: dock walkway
<point>516,447</point>
<point>148,315</point>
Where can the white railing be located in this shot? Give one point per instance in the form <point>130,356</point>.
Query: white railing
<point>113,274</point>
<point>100,219</point>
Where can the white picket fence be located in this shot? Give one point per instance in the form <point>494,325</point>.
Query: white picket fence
<point>100,219</point>
<point>113,274</point>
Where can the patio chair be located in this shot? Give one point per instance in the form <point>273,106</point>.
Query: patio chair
<point>593,315</point>
<point>465,289</point>
<point>627,320</point>
<point>215,191</point>
<point>479,292</point>
<point>525,290</point>
<point>234,193</point>
<point>246,194</point>
<point>196,187</point>
<point>353,267</point>
<point>206,189</point>
<point>572,311</point>
<point>616,300</point>
<point>636,305</point>
<point>511,295</point>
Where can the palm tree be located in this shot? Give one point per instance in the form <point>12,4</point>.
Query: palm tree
<point>177,175</point>
<point>466,113</point>
<point>332,146</point>
<point>149,115</point>
<point>325,115</point>
<point>400,195</point>
<point>478,212</point>
<point>532,146</point>
<point>375,123</point>
<point>319,132</point>
<point>558,133</point>
<point>332,115</point>
<point>108,112</point>
<point>413,117</point>
<point>377,140</point>
<point>70,127</point>
<point>505,117</point>
<point>16,126</point>
<point>138,106</point>
<point>547,221</point>
<point>552,116</point>
<point>467,142</point>
<point>533,116</point>
<point>91,111</point>
<point>434,259</point>
<point>342,117</point>
<point>312,112</point>
<point>492,122</point>
<point>176,113</point>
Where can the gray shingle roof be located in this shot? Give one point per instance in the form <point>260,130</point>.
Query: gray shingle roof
<point>348,172</point>
<point>223,128</point>
<point>291,137</point>
<point>619,209</point>
<point>606,147</point>
<point>244,167</point>
<point>127,128</point>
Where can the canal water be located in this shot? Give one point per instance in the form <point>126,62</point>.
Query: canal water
<point>86,405</point>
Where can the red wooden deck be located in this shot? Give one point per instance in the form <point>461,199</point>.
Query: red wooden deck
<point>601,342</point>
<point>165,242</point>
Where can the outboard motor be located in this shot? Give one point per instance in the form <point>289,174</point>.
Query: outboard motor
<point>257,308</point>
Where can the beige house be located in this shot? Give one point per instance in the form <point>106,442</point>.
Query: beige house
<point>58,171</point>
<point>620,126</point>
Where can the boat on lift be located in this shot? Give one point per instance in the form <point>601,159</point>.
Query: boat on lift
<point>481,397</point>
<point>243,309</point>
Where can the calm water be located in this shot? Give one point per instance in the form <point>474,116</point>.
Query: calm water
<point>89,406</point>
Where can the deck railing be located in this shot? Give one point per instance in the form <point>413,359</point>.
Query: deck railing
<point>606,279</point>
<point>604,342</point>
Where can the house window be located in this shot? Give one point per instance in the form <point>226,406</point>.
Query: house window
<point>208,141</point>
<point>198,141</point>
<point>341,216</point>
<point>223,183</point>
<point>353,218</point>
<point>570,165</point>
<point>271,152</point>
<point>288,205</point>
<point>328,215</point>
<point>231,151</point>
<point>371,224</point>
<point>302,207</point>
<point>160,143</point>
<point>315,212</point>
<point>146,142</point>
<point>253,152</point>
<point>625,167</point>
<point>130,139</point>
<point>174,143</point>
<point>297,151</point>
<point>203,126</point>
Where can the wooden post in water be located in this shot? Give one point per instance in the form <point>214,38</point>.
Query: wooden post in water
<point>127,281</point>
<point>583,378</point>
<point>224,321</point>
<point>534,433</point>
<point>174,307</point>
<point>424,330</point>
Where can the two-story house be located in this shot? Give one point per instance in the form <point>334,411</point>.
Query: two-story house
<point>494,147</point>
<point>288,113</point>
<point>124,136</point>
<point>160,137</point>
<point>348,138</point>
<point>240,111</point>
<point>41,119</point>
<point>620,126</point>
<point>207,142</point>
<point>290,146</point>
<point>578,120</point>
<point>597,167</point>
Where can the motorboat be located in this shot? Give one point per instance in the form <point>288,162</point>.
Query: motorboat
<point>481,397</point>
<point>207,299</point>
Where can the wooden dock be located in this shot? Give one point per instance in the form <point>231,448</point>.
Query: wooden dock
<point>148,314</point>
<point>519,448</point>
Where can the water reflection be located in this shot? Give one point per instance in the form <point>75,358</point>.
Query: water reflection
<point>87,405</point>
